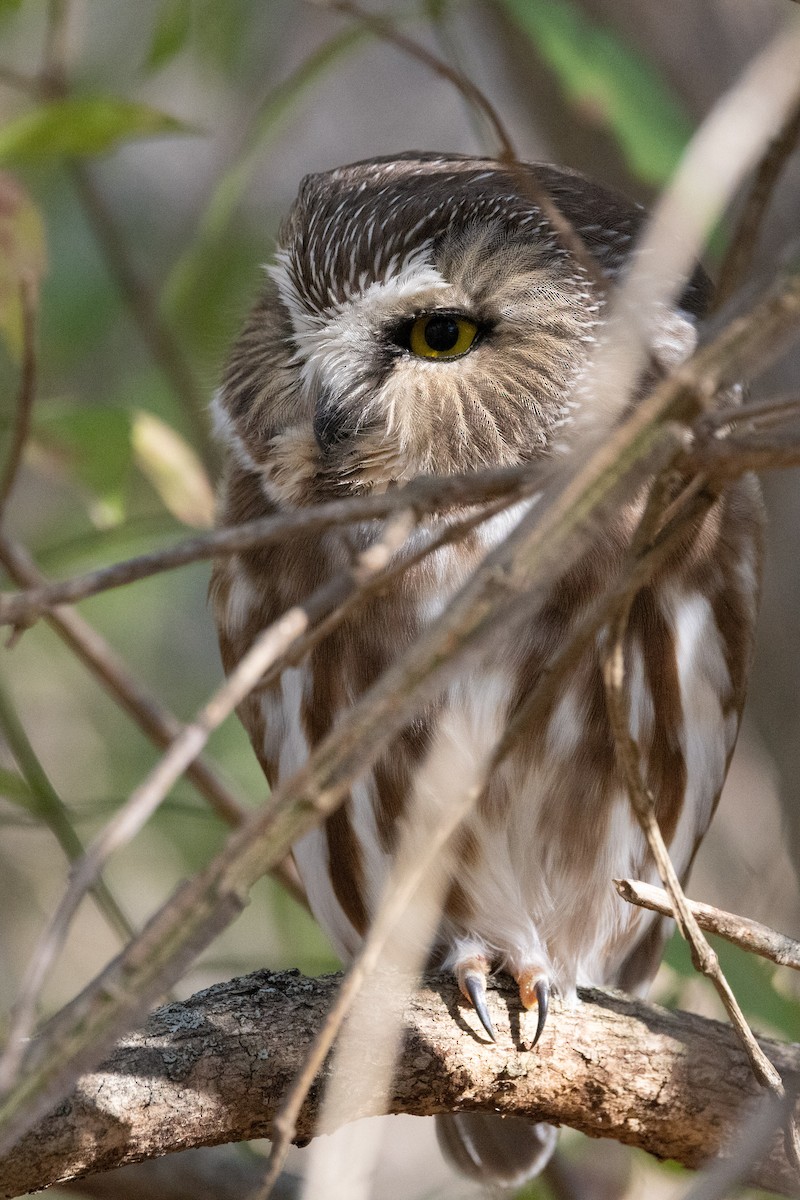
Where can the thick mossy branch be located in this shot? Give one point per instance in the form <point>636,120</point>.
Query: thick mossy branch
<point>214,1069</point>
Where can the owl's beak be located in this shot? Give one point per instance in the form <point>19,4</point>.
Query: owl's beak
<point>332,423</point>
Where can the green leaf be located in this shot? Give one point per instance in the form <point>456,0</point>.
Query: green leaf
<point>174,470</point>
<point>170,34</point>
<point>81,126</point>
<point>23,256</point>
<point>93,448</point>
<point>610,83</point>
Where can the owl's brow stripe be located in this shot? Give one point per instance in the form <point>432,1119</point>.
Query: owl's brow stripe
<point>424,495</point>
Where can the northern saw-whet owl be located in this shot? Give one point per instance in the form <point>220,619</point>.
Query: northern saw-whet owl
<point>422,318</point>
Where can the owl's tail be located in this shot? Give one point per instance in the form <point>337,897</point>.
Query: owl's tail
<point>494,1149</point>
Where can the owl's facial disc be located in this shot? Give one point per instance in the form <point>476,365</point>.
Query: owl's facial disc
<point>435,336</point>
<point>454,353</point>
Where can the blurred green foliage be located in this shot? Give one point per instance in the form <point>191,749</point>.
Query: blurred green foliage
<point>602,75</point>
<point>755,982</point>
<point>79,127</point>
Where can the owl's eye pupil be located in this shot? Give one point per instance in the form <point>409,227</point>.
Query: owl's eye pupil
<point>441,333</point>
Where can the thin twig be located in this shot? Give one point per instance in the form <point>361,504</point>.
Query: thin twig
<point>734,457</point>
<point>739,257</point>
<point>423,495</point>
<point>388,32</point>
<point>26,393</point>
<point>749,935</point>
<point>377,584</point>
<point>759,414</point>
<point>527,182</point>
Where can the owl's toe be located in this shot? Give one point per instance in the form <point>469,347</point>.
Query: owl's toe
<point>534,989</point>
<point>471,975</point>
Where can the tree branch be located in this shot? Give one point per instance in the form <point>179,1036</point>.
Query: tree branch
<point>424,495</point>
<point>750,935</point>
<point>674,1084</point>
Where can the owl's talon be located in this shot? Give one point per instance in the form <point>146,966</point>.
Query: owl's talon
<point>471,977</point>
<point>542,991</point>
<point>534,988</point>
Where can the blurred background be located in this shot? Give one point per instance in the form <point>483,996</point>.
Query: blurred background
<point>159,184</point>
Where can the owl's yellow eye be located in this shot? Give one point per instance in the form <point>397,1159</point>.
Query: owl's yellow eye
<point>441,335</point>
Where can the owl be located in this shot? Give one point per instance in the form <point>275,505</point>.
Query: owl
<point>421,317</point>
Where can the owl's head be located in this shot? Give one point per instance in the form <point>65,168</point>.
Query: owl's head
<point>420,318</point>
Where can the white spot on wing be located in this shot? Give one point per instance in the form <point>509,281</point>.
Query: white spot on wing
<point>705,690</point>
<point>242,597</point>
<point>225,431</point>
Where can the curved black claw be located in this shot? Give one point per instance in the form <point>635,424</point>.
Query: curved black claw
<point>475,986</point>
<point>542,992</point>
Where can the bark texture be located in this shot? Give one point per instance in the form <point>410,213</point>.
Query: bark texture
<point>213,1070</point>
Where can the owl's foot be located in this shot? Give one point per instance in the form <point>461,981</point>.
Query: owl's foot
<point>471,975</point>
<point>534,988</point>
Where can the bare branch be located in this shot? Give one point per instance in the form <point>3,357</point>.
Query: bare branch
<point>750,935</point>
<point>388,32</point>
<point>424,495</point>
<point>675,1084</point>
<point>758,415</point>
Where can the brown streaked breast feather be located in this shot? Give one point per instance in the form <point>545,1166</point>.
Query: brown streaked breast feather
<point>346,867</point>
<point>666,774</point>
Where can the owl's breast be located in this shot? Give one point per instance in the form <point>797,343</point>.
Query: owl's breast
<point>552,826</point>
